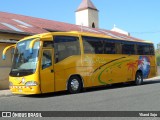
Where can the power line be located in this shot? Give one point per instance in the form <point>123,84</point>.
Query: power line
<point>147,32</point>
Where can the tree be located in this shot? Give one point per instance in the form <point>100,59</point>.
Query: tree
<point>158,60</point>
<point>158,57</point>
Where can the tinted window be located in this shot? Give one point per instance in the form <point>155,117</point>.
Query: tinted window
<point>46,59</point>
<point>65,46</point>
<point>109,47</point>
<point>128,49</point>
<point>93,45</point>
<point>48,44</point>
<point>145,49</point>
<point>152,50</point>
<point>140,49</point>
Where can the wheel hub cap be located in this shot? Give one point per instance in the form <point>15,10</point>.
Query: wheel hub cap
<point>75,84</point>
<point>139,79</point>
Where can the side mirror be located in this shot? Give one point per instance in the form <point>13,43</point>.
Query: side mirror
<point>31,45</point>
<point>5,50</point>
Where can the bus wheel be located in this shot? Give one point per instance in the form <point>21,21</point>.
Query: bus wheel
<point>74,84</point>
<point>139,78</point>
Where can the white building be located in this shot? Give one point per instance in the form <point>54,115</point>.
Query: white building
<point>87,14</point>
<point>116,29</point>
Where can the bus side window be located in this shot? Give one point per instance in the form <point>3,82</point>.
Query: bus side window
<point>65,46</point>
<point>93,45</point>
<point>118,48</point>
<point>46,59</point>
<point>146,49</point>
<point>140,49</point>
<point>128,49</point>
<point>48,44</point>
<point>109,48</point>
<point>152,50</point>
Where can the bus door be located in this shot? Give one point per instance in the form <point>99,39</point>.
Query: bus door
<point>47,71</point>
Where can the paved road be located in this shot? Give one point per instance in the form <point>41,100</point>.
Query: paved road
<point>116,97</point>
<point>113,98</point>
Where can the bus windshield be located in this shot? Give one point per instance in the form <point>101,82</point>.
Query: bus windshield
<point>24,63</point>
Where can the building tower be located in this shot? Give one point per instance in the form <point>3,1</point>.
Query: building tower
<point>87,14</point>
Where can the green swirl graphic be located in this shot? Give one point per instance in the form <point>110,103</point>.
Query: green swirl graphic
<point>107,70</point>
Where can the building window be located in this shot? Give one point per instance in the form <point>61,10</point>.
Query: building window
<point>93,25</point>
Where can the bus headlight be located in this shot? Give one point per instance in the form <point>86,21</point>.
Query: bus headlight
<point>31,83</point>
<point>23,80</point>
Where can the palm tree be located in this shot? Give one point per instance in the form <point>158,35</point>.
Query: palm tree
<point>132,66</point>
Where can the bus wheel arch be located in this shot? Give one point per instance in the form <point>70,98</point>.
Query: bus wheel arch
<point>139,77</point>
<point>75,84</point>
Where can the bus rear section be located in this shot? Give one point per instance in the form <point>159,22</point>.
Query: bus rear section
<point>112,61</point>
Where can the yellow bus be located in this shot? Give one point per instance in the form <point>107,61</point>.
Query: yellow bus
<point>59,61</point>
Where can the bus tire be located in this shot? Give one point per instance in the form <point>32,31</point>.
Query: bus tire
<point>139,78</point>
<point>74,85</point>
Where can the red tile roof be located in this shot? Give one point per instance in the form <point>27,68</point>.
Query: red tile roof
<point>86,4</point>
<point>39,25</point>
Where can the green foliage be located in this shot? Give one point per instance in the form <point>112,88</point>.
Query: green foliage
<point>158,59</point>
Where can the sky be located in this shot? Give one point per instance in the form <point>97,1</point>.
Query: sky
<point>139,17</point>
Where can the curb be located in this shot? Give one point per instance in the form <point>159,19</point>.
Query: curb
<point>5,93</point>
<point>154,78</point>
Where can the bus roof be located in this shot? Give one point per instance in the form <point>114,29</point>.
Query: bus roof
<point>50,35</point>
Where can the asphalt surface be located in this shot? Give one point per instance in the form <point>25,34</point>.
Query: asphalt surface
<point>121,97</point>
<point>111,98</point>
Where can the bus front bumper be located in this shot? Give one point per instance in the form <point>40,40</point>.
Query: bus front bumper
<point>29,90</point>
